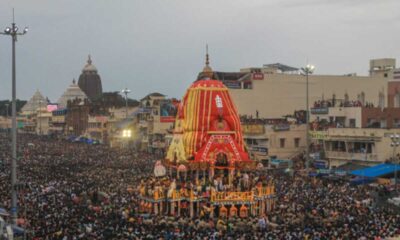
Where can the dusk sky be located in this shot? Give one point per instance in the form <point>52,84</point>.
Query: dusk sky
<point>159,45</point>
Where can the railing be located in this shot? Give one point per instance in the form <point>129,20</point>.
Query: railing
<point>159,194</point>
<point>190,195</point>
<point>242,196</point>
<point>352,156</point>
<point>265,191</point>
<point>231,196</point>
<point>297,153</point>
<point>175,195</point>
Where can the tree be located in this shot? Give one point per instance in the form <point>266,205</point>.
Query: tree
<point>4,108</point>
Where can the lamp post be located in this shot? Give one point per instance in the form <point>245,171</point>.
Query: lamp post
<point>126,91</point>
<point>307,70</point>
<point>7,110</point>
<point>13,33</point>
<point>394,144</point>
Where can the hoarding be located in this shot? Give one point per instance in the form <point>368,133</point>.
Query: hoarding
<point>52,107</point>
<point>258,76</point>
<point>320,110</point>
<point>167,111</point>
<point>253,128</point>
<point>260,150</point>
<point>232,84</point>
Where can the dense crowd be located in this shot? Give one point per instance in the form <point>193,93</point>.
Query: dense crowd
<point>80,191</point>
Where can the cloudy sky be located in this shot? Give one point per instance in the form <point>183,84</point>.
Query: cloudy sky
<point>159,45</point>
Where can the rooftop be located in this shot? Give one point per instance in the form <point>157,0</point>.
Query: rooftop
<point>154,94</point>
<point>281,67</point>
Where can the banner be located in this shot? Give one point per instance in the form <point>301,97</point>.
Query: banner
<point>232,84</point>
<point>258,76</point>
<point>167,111</point>
<point>319,135</point>
<point>52,107</point>
<point>260,150</point>
<point>253,128</point>
<point>281,127</point>
<point>320,110</point>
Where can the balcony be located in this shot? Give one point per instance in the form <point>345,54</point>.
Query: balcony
<point>370,157</point>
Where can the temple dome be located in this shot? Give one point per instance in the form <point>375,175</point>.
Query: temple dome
<point>72,92</point>
<point>33,104</point>
<point>90,81</point>
<point>89,67</point>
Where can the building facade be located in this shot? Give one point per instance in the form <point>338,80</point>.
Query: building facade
<point>274,139</point>
<point>357,113</point>
<point>366,146</point>
<point>43,121</point>
<point>155,120</point>
<point>262,90</point>
<point>77,117</point>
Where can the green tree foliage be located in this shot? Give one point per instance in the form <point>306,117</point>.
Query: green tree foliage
<point>3,106</point>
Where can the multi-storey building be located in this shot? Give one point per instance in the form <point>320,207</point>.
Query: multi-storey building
<point>366,146</point>
<point>274,138</point>
<point>154,120</point>
<point>275,90</point>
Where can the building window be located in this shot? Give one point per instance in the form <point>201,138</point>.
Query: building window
<point>383,123</point>
<point>396,123</point>
<point>373,123</point>
<point>352,123</point>
<point>397,100</point>
<point>385,75</point>
<point>249,141</point>
<point>297,142</point>
<point>282,143</point>
<point>381,102</point>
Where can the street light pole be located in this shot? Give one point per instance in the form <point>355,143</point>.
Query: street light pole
<point>7,110</point>
<point>309,69</point>
<point>126,91</point>
<point>13,32</point>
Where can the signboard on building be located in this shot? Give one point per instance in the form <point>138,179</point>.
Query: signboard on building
<point>320,164</point>
<point>318,135</point>
<point>232,84</point>
<point>281,127</point>
<point>258,76</point>
<point>281,163</point>
<point>320,110</point>
<point>253,128</point>
<point>167,111</point>
<point>20,124</point>
<point>323,171</point>
<point>52,107</point>
<point>260,150</point>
